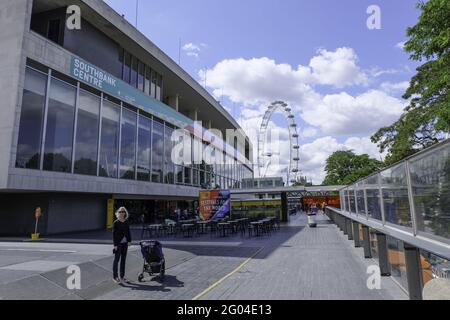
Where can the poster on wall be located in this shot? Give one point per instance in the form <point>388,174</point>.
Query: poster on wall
<point>215,204</point>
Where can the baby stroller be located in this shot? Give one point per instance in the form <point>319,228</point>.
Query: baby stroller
<point>154,262</point>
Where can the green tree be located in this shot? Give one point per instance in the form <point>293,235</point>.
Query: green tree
<point>345,167</point>
<point>427,117</point>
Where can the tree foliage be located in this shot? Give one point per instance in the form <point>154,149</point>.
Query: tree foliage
<point>427,117</point>
<point>345,167</point>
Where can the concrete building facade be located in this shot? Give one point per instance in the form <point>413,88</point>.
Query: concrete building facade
<point>87,116</point>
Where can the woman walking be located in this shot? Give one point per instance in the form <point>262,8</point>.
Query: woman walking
<point>121,238</point>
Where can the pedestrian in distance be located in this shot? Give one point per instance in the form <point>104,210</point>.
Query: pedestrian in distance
<point>121,239</point>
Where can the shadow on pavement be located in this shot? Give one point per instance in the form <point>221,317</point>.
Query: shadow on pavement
<point>148,284</point>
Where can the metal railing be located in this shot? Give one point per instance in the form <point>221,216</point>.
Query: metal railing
<point>407,203</point>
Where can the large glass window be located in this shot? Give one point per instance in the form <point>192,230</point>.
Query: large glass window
<point>195,177</point>
<point>157,152</point>
<point>360,201</point>
<point>31,120</point>
<point>144,149</point>
<point>86,141</point>
<point>159,88</point>
<point>128,145</point>
<point>187,175</point>
<point>396,256</point>
<point>351,196</point>
<point>134,72</point>
<point>153,84</point>
<point>430,180</point>
<point>141,76</point>
<point>148,80</point>
<point>395,196</point>
<point>109,139</point>
<point>169,166</point>
<point>59,131</point>
<point>373,197</point>
<point>126,67</point>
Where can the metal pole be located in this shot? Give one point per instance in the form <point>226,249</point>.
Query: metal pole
<point>380,190</point>
<point>412,207</point>
<point>44,127</point>
<point>75,129</point>
<point>99,141</point>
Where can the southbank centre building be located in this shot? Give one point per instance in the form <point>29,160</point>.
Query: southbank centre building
<point>86,122</point>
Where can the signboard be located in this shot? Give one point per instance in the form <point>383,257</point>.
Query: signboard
<point>110,214</point>
<point>37,213</point>
<point>214,204</point>
<point>93,76</point>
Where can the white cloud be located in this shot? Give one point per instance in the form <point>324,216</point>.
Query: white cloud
<point>343,114</point>
<point>394,88</point>
<point>193,50</point>
<point>254,83</point>
<point>338,68</point>
<point>400,45</point>
<point>309,132</point>
<point>315,154</point>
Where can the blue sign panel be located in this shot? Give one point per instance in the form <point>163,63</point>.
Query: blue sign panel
<point>93,76</point>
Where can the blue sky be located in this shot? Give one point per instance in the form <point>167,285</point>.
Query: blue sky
<point>345,68</point>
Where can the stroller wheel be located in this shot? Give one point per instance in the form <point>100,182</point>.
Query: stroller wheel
<point>140,277</point>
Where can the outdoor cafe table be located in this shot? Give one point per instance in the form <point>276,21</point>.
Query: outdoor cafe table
<point>222,225</point>
<point>257,225</point>
<point>187,227</point>
<point>202,226</point>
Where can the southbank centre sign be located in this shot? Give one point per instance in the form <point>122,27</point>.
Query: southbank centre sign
<point>93,76</point>
<point>107,83</point>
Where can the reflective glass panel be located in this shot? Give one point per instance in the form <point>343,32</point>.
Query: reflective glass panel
<point>430,179</point>
<point>109,147</point>
<point>157,152</point>
<point>395,196</point>
<point>128,145</point>
<point>31,120</point>
<point>60,123</point>
<point>86,141</point>
<point>144,148</point>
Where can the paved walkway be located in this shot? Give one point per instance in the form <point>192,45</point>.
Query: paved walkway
<point>294,263</point>
<point>316,263</point>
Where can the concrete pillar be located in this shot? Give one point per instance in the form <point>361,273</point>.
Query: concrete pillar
<point>193,114</point>
<point>383,259</point>
<point>349,229</point>
<point>284,207</point>
<point>173,101</point>
<point>356,234</point>
<point>413,272</point>
<point>366,242</point>
<point>344,225</point>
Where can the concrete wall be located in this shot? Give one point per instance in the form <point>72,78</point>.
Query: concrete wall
<point>17,213</point>
<point>14,21</point>
<point>76,212</point>
<point>61,213</point>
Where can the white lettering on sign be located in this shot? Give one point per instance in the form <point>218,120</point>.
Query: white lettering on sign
<point>92,75</point>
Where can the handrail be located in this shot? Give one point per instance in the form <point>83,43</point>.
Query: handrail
<point>429,244</point>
